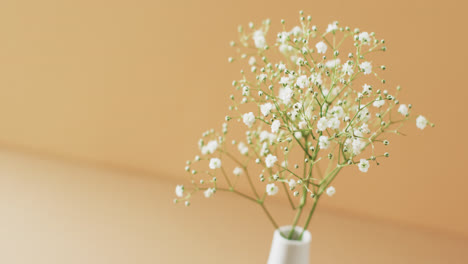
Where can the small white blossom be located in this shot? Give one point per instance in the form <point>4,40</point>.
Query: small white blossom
<point>332,63</point>
<point>403,109</point>
<point>421,122</point>
<point>378,103</point>
<point>243,149</point>
<point>292,183</point>
<point>298,134</point>
<point>209,192</point>
<point>264,149</point>
<point>331,191</point>
<point>283,37</point>
<point>364,37</point>
<point>302,81</point>
<point>271,189</point>
<point>366,88</point>
<point>366,67</point>
<point>285,94</point>
<point>321,47</point>
<point>364,128</point>
<point>281,66</point>
<point>363,165</point>
<point>316,78</point>
<point>215,163</point>
<point>337,111</point>
<point>259,39</point>
<point>179,190</point>
<point>334,123</point>
<point>210,148</point>
<point>302,125</point>
<point>358,145</point>
<point>270,160</point>
<point>275,126</point>
<point>252,61</point>
<point>284,80</point>
<point>296,30</point>
<point>237,171</point>
<point>322,124</point>
<point>348,68</point>
<point>332,27</point>
<point>248,119</point>
<point>266,108</point>
<point>265,135</point>
<point>323,142</point>
<point>299,61</point>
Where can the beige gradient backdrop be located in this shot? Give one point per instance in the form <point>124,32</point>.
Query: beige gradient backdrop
<point>131,85</point>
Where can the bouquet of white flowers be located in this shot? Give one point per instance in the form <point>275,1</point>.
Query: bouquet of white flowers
<point>316,100</point>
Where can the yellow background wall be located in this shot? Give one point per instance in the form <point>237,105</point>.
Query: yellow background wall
<point>131,85</point>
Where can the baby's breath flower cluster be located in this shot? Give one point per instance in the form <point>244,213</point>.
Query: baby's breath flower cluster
<point>321,104</point>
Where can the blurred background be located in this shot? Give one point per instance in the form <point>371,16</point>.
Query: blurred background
<point>102,102</point>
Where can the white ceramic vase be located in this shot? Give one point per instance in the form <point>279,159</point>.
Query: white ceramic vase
<point>284,251</point>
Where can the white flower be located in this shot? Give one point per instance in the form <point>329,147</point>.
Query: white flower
<point>266,108</point>
<point>332,63</point>
<point>364,113</point>
<point>321,47</point>
<point>332,27</point>
<point>322,124</point>
<point>210,148</point>
<point>292,183</point>
<point>378,103</point>
<point>358,145</point>
<point>249,119</point>
<point>179,190</point>
<point>366,88</point>
<point>237,171</point>
<point>243,149</point>
<point>252,60</point>
<point>403,109</point>
<point>262,77</point>
<point>275,126</point>
<point>283,37</point>
<point>366,67</point>
<point>284,48</point>
<point>363,165</point>
<point>284,80</point>
<point>334,123</point>
<point>302,125</point>
<point>271,189</point>
<point>302,82</point>
<point>323,142</point>
<point>364,128</point>
<point>331,191</point>
<point>337,111</point>
<point>421,122</point>
<point>270,160</point>
<point>298,134</point>
<point>296,30</point>
<point>259,39</point>
<point>281,66</point>
<point>215,163</point>
<point>300,61</point>
<point>209,192</point>
<point>316,78</point>
<point>348,68</point>
<point>264,149</point>
<point>285,94</point>
<point>364,37</point>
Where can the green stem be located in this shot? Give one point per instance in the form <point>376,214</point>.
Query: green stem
<point>306,225</point>
<point>289,196</point>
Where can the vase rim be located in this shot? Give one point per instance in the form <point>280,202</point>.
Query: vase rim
<point>306,238</point>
